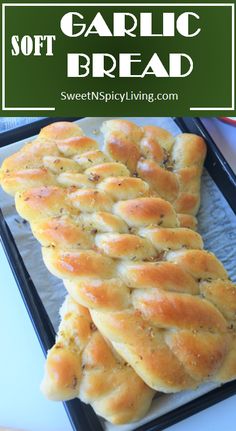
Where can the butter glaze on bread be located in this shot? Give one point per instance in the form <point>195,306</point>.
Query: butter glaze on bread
<point>146,281</point>
<point>82,364</point>
<point>172,166</point>
<point>149,298</point>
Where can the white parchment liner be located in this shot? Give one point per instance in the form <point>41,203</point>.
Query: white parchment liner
<point>217,225</point>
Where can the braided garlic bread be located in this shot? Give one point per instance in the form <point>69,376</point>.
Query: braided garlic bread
<point>154,293</point>
<point>171,166</point>
<point>82,364</point>
<point>59,157</point>
<point>166,305</point>
<point>62,155</point>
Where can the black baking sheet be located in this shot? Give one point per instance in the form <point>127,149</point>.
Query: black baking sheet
<point>82,417</point>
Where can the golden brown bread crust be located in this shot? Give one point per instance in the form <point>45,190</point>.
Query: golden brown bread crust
<point>107,388</point>
<point>61,131</point>
<point>145,212</point>
<point>162,275</point>
<point>171,166</point>
<point>27,178</point>
<point>146,281</point>
<point>153,307</point>
<point>165,182</point>
<point>63,155</point>
<point>186,220</point>
<point>82,364</point>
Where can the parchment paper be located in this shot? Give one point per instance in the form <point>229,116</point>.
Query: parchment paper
<point>217,225</point>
